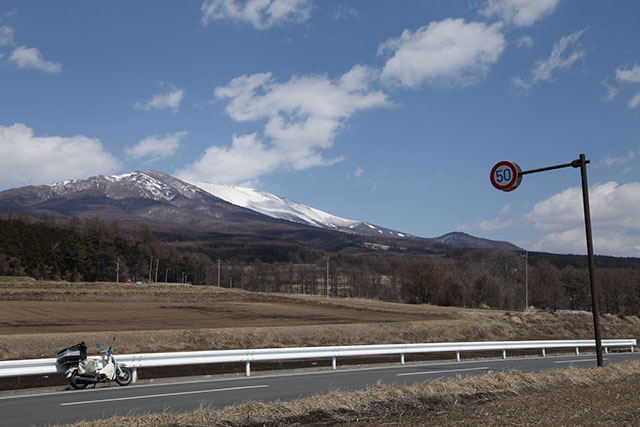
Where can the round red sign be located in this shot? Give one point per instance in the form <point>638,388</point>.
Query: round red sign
<point>506,176</point>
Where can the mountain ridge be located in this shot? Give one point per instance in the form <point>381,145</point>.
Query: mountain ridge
<point>154,196</point>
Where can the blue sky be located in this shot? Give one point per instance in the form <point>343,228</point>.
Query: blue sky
<point>383,111</point>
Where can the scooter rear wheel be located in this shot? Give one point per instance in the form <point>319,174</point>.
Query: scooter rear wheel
<point>77,385</point>
<point>124,378</point>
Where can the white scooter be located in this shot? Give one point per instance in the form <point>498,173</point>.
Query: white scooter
<point>92,371</point>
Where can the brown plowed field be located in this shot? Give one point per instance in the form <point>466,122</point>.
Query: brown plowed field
<point>39,318</point>
<point>31,317</point>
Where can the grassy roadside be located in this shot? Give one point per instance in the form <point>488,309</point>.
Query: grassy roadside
<point>390,402</point>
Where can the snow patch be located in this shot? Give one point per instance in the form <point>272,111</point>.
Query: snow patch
<point>117,178</point>
<point>274,206</point>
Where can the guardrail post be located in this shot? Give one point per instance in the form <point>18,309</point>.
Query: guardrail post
<point>631,349</point>
<point>504,354</point>
<point>134,375</point>
<point>402,359</point>
<point>458,356</point>
<point>606,350</point>
<point>333,362</point>
<point>247,368</point>
<point>543,353</point>
<point>577,351</point>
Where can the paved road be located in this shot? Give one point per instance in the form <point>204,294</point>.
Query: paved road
<point>67,406</point>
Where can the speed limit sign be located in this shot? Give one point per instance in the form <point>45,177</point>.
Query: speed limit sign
<point>506,176</point>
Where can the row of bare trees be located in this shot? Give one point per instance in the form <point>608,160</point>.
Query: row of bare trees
<point>92,250</point>
<point>496,281</point>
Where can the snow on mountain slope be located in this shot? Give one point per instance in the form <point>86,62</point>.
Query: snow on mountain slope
<point>283,208</point>
<point>274,206</point>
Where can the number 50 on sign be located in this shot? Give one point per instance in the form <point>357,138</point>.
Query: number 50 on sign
<point>506,176</point>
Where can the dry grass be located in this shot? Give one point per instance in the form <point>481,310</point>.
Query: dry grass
<point>16,279</point>
<point>381,401</point>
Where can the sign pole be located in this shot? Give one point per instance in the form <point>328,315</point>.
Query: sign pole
<point>502,178</point>
<point>594,290</point>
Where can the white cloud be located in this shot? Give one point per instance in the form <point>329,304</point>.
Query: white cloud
<point>563,55</point>
<point>343,13</point>
<point>358,172</point>
<point>629,75</point>
<point>243,162</point>
<point>519,85</point>
<point>612,90</point>
<point>261,14</point>
<point>450,52</point>
<point>519,12</point>
<point>615,209</point>
<point>6,35</point>
<point>302,117</point>
<point>27,159</point>
<point>525,41</point>
<point>610,161</point>
<point>169,100</point>
<point>156,147</point>
<point>501,221</point>
<point>30,57</point>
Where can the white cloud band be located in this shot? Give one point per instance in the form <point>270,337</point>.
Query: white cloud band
<point>450,52</point>
<point>519,12</point>
<point>157,148</point>
<point>302,115</point>
<point>28,159</point>
<point>615,210</point>
<point>30,57</point>
<point>170,101</point>
<point>261,14</point>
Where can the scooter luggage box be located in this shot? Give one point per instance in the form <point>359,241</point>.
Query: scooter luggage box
<point>72,354</point>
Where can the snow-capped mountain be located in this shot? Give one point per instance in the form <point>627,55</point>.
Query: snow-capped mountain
<point>132,197</point>
<point>283,208</point>
<point>162,202</point>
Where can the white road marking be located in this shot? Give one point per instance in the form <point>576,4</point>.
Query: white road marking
<point>441,372</point>
<point>577,361</point>
<point>150,396</point>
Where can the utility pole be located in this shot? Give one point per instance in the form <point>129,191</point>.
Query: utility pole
<point>218,272</point>
<point>118,270</point>
<point>327,276</point>
<point>150,268</point>
<point>526,278</point>
<point>157,264</point>
<point>166,275</point>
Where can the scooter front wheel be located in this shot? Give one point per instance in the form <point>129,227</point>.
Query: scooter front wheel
<point>124,376</point>
<point>75,384</point>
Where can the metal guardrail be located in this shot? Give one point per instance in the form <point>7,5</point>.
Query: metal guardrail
<point>14,368</point>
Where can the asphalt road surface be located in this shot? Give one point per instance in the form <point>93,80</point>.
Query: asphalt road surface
<point>68,406</point>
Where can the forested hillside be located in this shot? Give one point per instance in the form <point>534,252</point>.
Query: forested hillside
<point>92,250</point>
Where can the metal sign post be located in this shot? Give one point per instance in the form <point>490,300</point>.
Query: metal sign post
<point>502,178</point>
